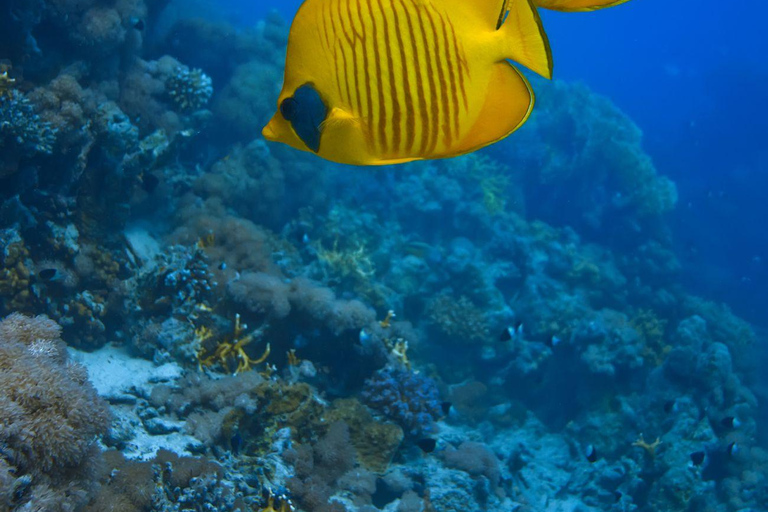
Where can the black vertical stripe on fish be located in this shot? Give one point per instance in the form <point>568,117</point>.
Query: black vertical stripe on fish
<point>453,69</point>
<point>350,34</point>
<point>338,67</point>
<point>334,43</point>
<point>368,114</point>
<point>418,80</point>
<point>395,117</point>
<point>433,122</point>
<point>381,120</point>
<point>409,113</point>
<point>356,70</point>
<point>347,29</point>
<point>441,49</point>
<point>463,69</point>
<point>326,33</point>
<point>436,79</point>
<point>347,76</point>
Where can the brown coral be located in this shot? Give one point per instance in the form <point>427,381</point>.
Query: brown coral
<point>15,279</point>
<point>375,443</point>
<point>457,318</point>
<point>50,414</point>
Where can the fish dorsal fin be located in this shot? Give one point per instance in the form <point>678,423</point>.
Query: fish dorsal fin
<point>490,12</point>
<point>502,13</point>
<point>524,39</point>
<point>578,5</point>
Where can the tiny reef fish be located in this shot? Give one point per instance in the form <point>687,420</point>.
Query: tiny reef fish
<point>427,445</point>
<point>374,82</point>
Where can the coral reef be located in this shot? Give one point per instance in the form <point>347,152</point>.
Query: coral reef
<point>500,331</point>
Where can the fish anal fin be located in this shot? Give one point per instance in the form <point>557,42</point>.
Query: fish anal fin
<point>578,5</point>
<point>508,104</point>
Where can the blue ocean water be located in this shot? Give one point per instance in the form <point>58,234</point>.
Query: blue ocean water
<point>195,318</point>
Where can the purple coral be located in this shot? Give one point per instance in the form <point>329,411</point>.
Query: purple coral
<point>407,398</point>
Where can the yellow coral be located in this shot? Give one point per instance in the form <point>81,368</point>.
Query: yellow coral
<point>375,443</point>
<point>6,83</point>
<point>282,502</point>
<point>652,329</point>
<point>231,347</point>
<point>387,322</point>
<point>493,179</point>
<point>493,189</point>
<point>650,448</point>
<point>206,241</point>
<point>348,262</point>
<point>293,359</point>
<point>399,351</point>
<point>15,279</point>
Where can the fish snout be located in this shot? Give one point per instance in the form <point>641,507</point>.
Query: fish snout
<point>269,132</point>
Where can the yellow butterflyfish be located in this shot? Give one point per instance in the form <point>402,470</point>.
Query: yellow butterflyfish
<point>374,82</point>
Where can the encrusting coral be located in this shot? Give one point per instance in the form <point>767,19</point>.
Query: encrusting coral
<point>23,134</point>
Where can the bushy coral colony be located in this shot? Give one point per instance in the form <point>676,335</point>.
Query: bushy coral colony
<point>263,331</point>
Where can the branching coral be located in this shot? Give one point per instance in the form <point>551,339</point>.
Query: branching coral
<point>650,448</point>
<point>354,262</point>
<point>232,347</point>
<point>6,83</point>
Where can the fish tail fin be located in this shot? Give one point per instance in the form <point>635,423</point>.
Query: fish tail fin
<point>525,41</point>
<point>577,5</point>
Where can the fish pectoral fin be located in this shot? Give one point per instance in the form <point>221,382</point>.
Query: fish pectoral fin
<point>524,38</point>
<point>339,117</point>
<point>578,5</point>
<point>508,104</point>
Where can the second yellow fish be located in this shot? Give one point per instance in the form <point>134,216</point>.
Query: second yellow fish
<point>372,82</point>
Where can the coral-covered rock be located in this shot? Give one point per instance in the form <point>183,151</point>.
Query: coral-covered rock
<point>405,397</point>
<point>23,134</point>
<point>375,442</point>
